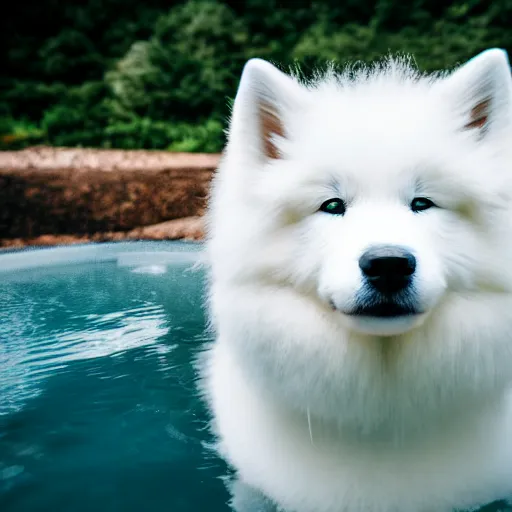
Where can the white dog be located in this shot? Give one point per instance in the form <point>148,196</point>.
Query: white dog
<point>360,241</point>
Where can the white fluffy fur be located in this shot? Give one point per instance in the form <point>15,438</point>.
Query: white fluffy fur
<point>323,413</point>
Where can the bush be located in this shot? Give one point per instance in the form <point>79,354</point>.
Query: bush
<point>17,134</point>
<point>80,118</point>
<point>435,43</point>
<point>160,75</point>
<point>185,71</point>
<point>145,133</point>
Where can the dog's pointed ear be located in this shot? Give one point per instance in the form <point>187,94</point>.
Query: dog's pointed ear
<point>481,92</point>
<point>263,104</point>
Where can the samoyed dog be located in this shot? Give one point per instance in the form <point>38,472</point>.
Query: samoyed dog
<point>360,243</point>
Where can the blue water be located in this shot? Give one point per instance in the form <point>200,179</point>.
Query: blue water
<point>98,409</point>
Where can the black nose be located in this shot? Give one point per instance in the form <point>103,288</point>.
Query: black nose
<point>388,268</point>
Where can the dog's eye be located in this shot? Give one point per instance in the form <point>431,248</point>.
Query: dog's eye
<point>420,204</point>
<point>333,206</point>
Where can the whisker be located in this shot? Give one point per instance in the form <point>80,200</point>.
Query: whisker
<point>310,429</point>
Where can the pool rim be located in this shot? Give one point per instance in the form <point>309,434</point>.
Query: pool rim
<point>125,253</point>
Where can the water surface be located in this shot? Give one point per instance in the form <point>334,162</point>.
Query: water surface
<point>98,409</point>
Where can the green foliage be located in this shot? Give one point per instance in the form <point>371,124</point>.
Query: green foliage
<point>143,132</point>
<point>185,70</point>
<point>206,137</point>
<point>160,75</point>
<point>17,134</point>
<point>435,43</point>
<point>80,117</point>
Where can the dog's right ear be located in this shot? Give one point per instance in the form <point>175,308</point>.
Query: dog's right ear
<point>262,108</point>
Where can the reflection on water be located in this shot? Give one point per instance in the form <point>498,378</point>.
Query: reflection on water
<point>97,401</point>
<point>26,360</point>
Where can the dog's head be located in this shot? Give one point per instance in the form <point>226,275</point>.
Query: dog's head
<point>360,238</point>
<point>378,192</point>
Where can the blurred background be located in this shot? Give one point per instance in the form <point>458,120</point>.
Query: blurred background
<point>159,74</point>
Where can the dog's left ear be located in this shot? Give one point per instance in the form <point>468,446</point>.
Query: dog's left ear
<point>481,92</point>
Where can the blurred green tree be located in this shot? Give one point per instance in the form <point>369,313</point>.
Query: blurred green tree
<point>159,74</point>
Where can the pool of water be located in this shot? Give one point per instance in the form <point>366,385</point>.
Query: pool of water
<point>98,409</point>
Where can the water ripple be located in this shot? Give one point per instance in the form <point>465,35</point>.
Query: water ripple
<point>27,359</point>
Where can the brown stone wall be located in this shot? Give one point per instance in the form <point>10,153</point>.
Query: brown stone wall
<point>49,191</point>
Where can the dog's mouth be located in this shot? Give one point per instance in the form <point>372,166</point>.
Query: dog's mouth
<point>383,315</point>
<point>384,310</point>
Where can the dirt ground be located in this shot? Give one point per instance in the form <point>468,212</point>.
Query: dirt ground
<point>53,196</point>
